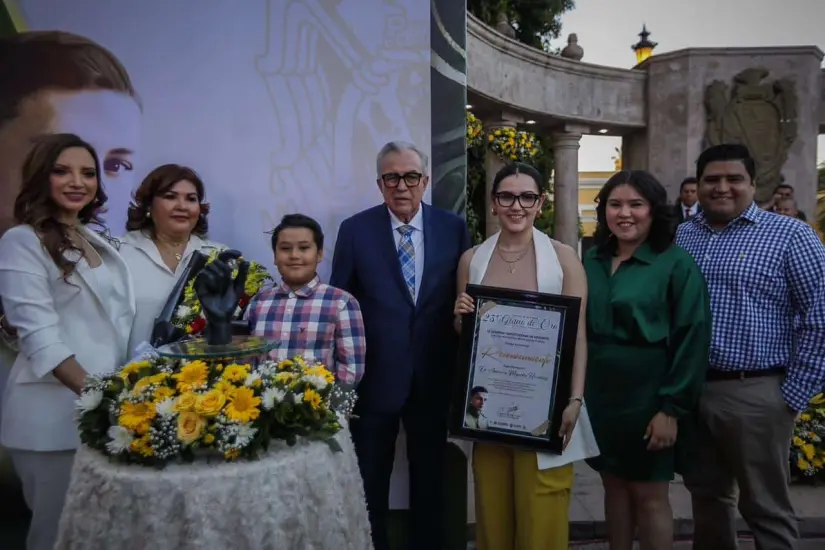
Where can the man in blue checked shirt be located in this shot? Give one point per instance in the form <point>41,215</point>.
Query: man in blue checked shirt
<point>766,277</point>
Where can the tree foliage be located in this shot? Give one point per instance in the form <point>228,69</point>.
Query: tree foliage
<point>536,22</point>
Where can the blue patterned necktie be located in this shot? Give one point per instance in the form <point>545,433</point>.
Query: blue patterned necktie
<point>406,255</point>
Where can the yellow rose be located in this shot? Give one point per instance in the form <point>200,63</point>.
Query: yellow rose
<point>190,427</point>
<point>210,403</point>
<point>186,402</point>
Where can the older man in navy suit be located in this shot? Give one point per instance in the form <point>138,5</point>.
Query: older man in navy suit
<point>399,260</point>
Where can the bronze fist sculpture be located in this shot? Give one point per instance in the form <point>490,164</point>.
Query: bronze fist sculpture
<point>219,295</point>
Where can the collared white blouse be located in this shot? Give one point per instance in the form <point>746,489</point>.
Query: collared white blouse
<point>153,278</point>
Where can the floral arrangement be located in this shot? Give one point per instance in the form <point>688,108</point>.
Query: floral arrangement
<point>808,444</point>
<point>511,144</point>
<point>160,410</point>
<point>188,315</point>
<point>475,132</point>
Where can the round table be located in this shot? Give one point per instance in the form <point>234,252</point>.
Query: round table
<point>304,497</point>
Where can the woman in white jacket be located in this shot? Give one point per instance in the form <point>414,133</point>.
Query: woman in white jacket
<point>69,295</point>
<point>167,224</point>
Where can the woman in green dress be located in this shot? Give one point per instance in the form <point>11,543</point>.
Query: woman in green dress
<point>648,332</point>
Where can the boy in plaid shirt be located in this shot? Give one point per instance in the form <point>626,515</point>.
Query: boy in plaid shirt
<point>308,317</point>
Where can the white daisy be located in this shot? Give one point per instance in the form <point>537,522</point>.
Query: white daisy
<point>318,382</point>
<point>183,311</point>
<point>166,408</point>
<point>120,439</point>
<point>272,396</point>
<point>251,378</point>
<point>89,400</point>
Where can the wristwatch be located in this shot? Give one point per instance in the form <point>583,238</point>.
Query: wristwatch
<point>576,398</point>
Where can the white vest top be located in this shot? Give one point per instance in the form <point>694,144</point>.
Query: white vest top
<point>550,278</point>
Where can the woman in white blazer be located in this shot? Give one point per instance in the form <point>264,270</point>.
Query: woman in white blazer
<point>167,224</point>
<point>69,295</point>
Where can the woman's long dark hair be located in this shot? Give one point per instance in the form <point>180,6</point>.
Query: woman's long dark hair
<point>663,226</point>
<point>36,207</point>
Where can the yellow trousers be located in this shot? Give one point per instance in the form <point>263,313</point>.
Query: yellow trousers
<point>518,506</point>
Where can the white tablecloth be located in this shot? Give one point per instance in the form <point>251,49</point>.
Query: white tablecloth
<point>303,498</point>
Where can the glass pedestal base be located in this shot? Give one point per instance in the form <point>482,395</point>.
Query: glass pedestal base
<point>239,347</point>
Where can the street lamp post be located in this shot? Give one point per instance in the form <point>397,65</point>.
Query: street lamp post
<point>644,47</point>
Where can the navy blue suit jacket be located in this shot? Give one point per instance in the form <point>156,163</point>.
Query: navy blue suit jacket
<point>410,346</point>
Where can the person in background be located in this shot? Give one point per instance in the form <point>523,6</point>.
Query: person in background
<point>523,497</point>
<point>55,81</point>
<point>781,192</point>
<point>687,206</point>
<point>399,260</point>
<point>766,278</point>
<point>786,206</point>
<point>69,295</point>
<point>648,331</point>
<point>308,317</point>
<point>167,223</point>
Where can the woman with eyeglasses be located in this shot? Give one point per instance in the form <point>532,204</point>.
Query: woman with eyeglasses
<point>522,497</point>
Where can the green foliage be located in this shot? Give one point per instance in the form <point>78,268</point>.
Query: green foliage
<point>536,21</point>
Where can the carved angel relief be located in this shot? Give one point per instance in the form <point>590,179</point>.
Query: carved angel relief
<point>760,115</point>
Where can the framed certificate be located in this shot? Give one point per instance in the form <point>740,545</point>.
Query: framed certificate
<point>515,365</point>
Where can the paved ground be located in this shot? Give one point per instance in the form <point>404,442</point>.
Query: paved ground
<point>587,508</point>
<point>744,544</point>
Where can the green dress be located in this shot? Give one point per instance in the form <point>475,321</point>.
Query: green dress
<point>648,335</point>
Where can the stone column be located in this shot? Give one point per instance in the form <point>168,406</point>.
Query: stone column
<point>492,164</point>
<point>566,184</point>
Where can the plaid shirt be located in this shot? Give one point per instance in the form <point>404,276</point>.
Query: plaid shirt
<point>317,321</point>
<point>766,278</point>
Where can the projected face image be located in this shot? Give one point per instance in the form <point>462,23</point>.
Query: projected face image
<point>80,88</point>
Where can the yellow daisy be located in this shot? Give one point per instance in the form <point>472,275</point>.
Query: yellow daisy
<point>243,406</point>
<point>235,373</point>
<point>136,416</point>
<point>192,376</point>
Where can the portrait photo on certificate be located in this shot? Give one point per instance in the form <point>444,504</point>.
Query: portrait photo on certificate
<point>515,364</point>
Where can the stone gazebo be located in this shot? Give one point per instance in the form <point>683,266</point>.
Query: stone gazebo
<point>666,109</point>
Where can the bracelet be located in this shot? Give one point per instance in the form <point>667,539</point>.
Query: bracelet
<point>579,399</point>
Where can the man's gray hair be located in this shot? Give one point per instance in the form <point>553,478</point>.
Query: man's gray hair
<point>397,147</point>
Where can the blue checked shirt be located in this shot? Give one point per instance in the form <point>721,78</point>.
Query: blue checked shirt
<point>766,278</point>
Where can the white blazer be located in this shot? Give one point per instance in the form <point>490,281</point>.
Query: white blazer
<point>57,319</point>
<point>154,279</point>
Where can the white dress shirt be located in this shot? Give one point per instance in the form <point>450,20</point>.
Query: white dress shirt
<point>417,236</point>
<point>153,278</point>
<point>689,211</point>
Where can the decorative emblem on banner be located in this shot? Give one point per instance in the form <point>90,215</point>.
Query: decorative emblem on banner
<point>760,115</point>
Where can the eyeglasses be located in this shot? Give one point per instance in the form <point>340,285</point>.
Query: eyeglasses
<point>411,179</point>
<point>526,200</point>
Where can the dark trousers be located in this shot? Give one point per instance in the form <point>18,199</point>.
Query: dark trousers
<point>374,435</point>
<point>744,441</point>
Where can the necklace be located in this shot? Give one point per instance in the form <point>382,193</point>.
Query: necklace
<point>173,247</point>
<point>512,263</point>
